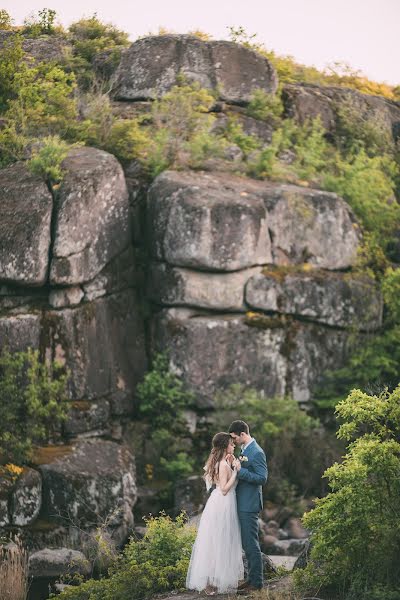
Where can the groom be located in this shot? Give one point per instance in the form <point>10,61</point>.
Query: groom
<point>252,475</point>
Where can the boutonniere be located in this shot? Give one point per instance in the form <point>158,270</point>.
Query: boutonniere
<point>243,458</point>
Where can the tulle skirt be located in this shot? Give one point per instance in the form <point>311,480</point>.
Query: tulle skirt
<point>217,552</point>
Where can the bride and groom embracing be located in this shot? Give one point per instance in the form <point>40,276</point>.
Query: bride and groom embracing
<point>230,517</point>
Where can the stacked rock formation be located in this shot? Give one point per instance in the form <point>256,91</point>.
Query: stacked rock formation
<point>247,282</point>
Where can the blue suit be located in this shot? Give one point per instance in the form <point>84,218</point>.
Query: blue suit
<point>251,477</point>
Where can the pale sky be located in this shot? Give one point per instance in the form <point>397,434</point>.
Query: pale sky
<point>363,33</point>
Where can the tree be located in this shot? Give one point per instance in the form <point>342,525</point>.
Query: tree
<point>355,532</point>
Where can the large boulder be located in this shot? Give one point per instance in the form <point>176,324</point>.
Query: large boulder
<point>173,286</point>
<point>151,66</point>
<point>53,562</point>
<point>275,356</point>
<point>336,299</point>
<point>210,353</point>
<point>92,225</point>
<point>102,345</point>
<point>308,101</point>
<point>206,222</point>
<point>311,226</point>
<point>93,481</point>
<point>26,209</point>
<point>220,222</point>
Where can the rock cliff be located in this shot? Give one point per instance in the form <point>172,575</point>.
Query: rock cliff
<point>244,281</point>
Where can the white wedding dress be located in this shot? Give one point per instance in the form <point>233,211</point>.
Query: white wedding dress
<point>217,552</point>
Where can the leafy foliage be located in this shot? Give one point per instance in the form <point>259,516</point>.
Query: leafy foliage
<point>33,400</point>
<point>40,23</point>
<point>6,21</point>
<point>156,564</point>
<point>90,37</point>
<point>355,536</point>
<point>162,401</point>
<point>47,158</point>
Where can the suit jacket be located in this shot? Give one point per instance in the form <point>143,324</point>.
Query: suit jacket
<point>251,477</point>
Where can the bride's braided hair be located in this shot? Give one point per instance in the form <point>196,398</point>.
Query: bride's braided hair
<point>220,443</point>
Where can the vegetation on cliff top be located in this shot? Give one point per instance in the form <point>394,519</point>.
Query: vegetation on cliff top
<point>46,107</point>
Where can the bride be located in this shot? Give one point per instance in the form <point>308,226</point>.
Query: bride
<point>216,564</point>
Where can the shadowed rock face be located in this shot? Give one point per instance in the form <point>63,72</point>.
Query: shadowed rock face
<point>26,208</point>
<point>150,67</point>
<point>210,352</point>
<point>101,343</point>
<point>92,224</point>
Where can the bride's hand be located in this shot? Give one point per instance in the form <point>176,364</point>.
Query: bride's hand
<point>230,459</point>
<point>237,465</point>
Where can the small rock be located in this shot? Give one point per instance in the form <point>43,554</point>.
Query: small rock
<point>295,529</point>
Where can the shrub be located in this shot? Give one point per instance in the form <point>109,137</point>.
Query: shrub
<point>156,564</point>
<point>264,106</point>
<point>13,571</point>
<point>6,21</point>
<point>358,128</point>
<point>162,395</point>
<point>90,37</point>
<point>47,158</point>
<point>162,402</point>
<point>355,534</point>
<point>40,23</point>
<point>181,128</point>
<point>10,64</point>
<point>367,183</point>
<point>33,397</point>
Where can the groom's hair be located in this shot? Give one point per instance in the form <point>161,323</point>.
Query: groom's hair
<point>238,427</point>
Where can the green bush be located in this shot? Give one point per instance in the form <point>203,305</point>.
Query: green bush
<point>156,564</point>
<point>47,157</point>
<point>6,21</point>
<point>265,107</point>
<point>89,38</point>
<point>355,128</point>
<point>10,64</point>
<point>355,533</point>
<point>33,400</point>
<point>180,130</point>
<point>367,183</point>
<point>163,398</point>
<point>40,23</point>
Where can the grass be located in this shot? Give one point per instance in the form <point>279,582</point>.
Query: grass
<point>13,571</point>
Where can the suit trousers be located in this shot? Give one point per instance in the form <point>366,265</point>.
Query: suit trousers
<point>251,546</point>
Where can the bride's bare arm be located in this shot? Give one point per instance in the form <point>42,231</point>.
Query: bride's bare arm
<point>227,477</point>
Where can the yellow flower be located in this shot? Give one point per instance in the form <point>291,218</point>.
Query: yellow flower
<point>13,469</point>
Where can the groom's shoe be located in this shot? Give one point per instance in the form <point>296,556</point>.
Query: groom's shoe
<point>242,585</point>
<point>247,588</point>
